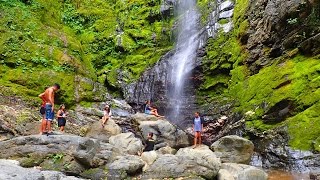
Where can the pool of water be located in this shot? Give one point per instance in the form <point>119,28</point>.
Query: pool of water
<point>283,175</point>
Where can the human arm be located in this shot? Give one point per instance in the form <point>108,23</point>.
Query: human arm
<point>43,98</point>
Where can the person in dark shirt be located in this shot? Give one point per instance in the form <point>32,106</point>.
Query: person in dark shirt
<point>149,143</point>
<point>62,117</point>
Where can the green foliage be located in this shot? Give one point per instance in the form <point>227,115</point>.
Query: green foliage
<point>291,77</point>
<point>45,41</point>
<point>56,157</point>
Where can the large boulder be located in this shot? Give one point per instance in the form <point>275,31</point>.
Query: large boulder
<point>10,170</point>
<point>166,150</point>
<point>233,149</point>
<point>126,143</point>
<point>139,117</point>
<point>175,166</point>
<point>163,130</point>
<point>96,130</point>
<point>66,153</point>
<point>86,152</point>
<point>42,145</point>
<point>129,163</point>
<point>149,158</point>
<point>241,172</point>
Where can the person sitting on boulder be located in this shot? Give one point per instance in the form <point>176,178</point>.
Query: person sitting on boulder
<point>106,115</point>
<point>148,109</point>
<point>197,129</point>
<point>62,117</point>
<point>150,142</point>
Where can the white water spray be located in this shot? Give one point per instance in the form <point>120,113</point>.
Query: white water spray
<point>185,56</point>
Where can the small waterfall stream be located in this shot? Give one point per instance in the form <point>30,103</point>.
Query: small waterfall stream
<point>184,59</point>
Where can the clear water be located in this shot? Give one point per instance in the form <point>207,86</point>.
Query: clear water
<point>183,60</point>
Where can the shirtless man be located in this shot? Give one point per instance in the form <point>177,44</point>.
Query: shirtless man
<point>43,113</point>
<point>48,96</point>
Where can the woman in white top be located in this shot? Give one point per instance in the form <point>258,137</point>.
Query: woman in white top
<point>106,115</point>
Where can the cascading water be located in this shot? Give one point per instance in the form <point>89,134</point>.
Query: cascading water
<point>183,60</point>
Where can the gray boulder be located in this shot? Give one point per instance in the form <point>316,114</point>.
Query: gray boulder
<point>10,170</point>
<point>130,164</point>
<point>42,145</point>
<point>163,130</point>
<point>86,151</point>
<point>97,132</point>
<point>233,149</point>
<point>143,117</point>
<point>126,143</point>
<point>225,175</point>
<point>241,172</point>
<point>166,150</point>
<point>181,166</point>
<point>54,175</point>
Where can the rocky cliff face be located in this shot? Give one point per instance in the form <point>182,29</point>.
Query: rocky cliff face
<point>155,82</point>
<point>264,75</point>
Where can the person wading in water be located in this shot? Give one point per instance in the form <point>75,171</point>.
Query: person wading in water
<point>48,97</point>
<point>197,129</point>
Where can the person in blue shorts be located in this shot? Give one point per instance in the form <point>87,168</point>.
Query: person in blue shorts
<point>148,109</point>
<point>48,96</point>
<point>197,129</point>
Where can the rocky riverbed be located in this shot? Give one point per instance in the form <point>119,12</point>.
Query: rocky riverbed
<point>110,153</point>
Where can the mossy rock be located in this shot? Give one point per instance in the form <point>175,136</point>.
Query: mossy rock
<point>32,160</point>
<point>64,164</point>
<point>94,174</point>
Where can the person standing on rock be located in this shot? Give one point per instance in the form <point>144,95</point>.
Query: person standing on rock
<point>62,117</point>
<point>197,129</point>
<point>48,97</point>
<point>43,113</point>
<point>150,110</point>
<point>106,115</point>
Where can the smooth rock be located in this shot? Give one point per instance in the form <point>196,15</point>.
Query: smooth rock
<point>163,131</point>
<point>233,149</point>
<point>144,117</point>
<point>40,144</point>
<point>10,170</point>
<point>225,175</point>
<point>149,157</point>
<point>97,132</point>
<point>244,172</point>
<point>126,143</point>
<point>129,163</point>
<point>172,166</point>
<point>166,150</point>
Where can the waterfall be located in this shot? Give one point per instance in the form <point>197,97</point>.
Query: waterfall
<point>183,61</point>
